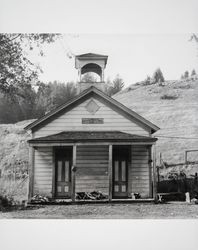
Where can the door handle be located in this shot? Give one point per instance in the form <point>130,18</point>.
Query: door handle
<point>74,168</point>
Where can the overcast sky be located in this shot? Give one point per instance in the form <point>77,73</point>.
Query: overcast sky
<point>132,56</point>
<point>137,35</point>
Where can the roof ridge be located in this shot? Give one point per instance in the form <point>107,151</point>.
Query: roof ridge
<point>102,95</point>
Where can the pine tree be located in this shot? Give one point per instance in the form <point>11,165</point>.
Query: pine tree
<point>193,72</point>
<point>186,74</point>
<point>158,76</point>
<point>182,77</point>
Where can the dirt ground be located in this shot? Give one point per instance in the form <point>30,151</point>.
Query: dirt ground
<point>176,210</point>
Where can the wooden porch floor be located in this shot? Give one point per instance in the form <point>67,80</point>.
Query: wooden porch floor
<point>69,201</point>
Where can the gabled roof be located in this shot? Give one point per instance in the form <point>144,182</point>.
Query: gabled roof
<point>92,91</point>
<point>91,55</point>
<point>92,136</point>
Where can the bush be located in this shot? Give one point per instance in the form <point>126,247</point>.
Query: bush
<point>6,203</point>
<point>168,97</point>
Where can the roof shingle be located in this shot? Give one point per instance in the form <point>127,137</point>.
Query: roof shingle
<point>87,136</point>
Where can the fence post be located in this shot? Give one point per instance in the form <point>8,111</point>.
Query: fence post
<point>160,158</point>
<point>185,156</point>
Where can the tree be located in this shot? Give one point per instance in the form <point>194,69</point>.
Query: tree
<point>186,74</point>
<point>16,68</point>
<point>193,72</point>
<point>89,77</point>
<point>158,76</point>
<point>18,107</point>
<point>52,95</point>
<point>115,86</point>
<point>30,104</point>
<point>148,80</point>
<point>182,77</point>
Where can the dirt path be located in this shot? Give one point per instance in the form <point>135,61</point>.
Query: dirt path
<point>108,211</point>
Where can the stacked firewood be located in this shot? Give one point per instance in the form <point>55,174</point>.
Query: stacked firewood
<point>37,199</point>
<point>95,195</point>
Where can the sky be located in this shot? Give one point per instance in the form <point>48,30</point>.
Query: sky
<point>132,56</point>
<point>137,35</point>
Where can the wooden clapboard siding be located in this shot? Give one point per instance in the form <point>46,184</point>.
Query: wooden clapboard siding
<point>92,169</point>
<point>139,174</point>
<point>43,171</point>
<point>71,120</point>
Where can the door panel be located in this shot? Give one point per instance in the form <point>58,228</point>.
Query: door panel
<point>120,171</point>
<point>63,163</point>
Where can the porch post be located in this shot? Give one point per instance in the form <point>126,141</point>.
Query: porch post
<point>150,171</point>
<point>31,172</point>
<point>110,172</point>
<point>73,172</point>
<point>154,173</point>
<point>53,172</point>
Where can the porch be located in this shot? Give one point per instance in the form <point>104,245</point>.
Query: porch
<point>115,163</point>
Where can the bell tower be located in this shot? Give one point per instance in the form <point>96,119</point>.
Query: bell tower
<point>93,63</point>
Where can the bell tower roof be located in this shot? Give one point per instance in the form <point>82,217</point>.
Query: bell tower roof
<point>90,56</point>
<point>91,63</point>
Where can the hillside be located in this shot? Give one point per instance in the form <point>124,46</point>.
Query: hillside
<point>174,108</point>
<point>13,144</point>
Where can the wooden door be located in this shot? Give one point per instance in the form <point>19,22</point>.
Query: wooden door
<point>120,172</point>
<point>63,163</point>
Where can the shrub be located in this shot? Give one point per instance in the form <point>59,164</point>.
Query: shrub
<point>6,203</point>
<point>168,97</point>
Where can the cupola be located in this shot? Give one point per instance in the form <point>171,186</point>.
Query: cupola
<point>91,63</point>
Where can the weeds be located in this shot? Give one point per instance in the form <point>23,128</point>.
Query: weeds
<point>13,192</point>
<point>168,97</point>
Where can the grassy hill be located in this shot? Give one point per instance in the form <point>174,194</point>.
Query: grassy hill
<point>14,160</point>
<point>173,107</point>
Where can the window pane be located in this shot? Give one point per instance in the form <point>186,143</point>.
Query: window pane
<point>123,171</point>
<point>123,188</point>
<point>116,188</point>
<point>66,189</point>
<point>59,189</point>
<point>59,170</point>
<point>116,171</point>
<point>66,171</point>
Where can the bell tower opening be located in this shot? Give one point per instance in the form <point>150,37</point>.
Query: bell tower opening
<point>91,70</point>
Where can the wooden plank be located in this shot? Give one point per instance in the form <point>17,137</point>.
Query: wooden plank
<point>140,177</point>
<point>140,157</point>
<point>129,180</point>
<point>73,174</point>
<point>42,171</point>
<point>88,143</point>
<point>31,173</point>
<point>92,161</point>
<point>91,182</point>
<point>110,171</point>
<point>96,165</point>
<point>139,165</point>
<point>142,161</point>
<point>86,189</point>
<point>90,151</point>
<point>92,171</point>
<point>154,173</point>
<point>93,177</point>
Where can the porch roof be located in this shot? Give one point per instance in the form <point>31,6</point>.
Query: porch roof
<point>92,136</point>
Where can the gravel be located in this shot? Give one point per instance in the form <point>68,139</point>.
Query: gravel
<point>174,210</point>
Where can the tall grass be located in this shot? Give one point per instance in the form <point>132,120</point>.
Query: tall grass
<point>13,188</point>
